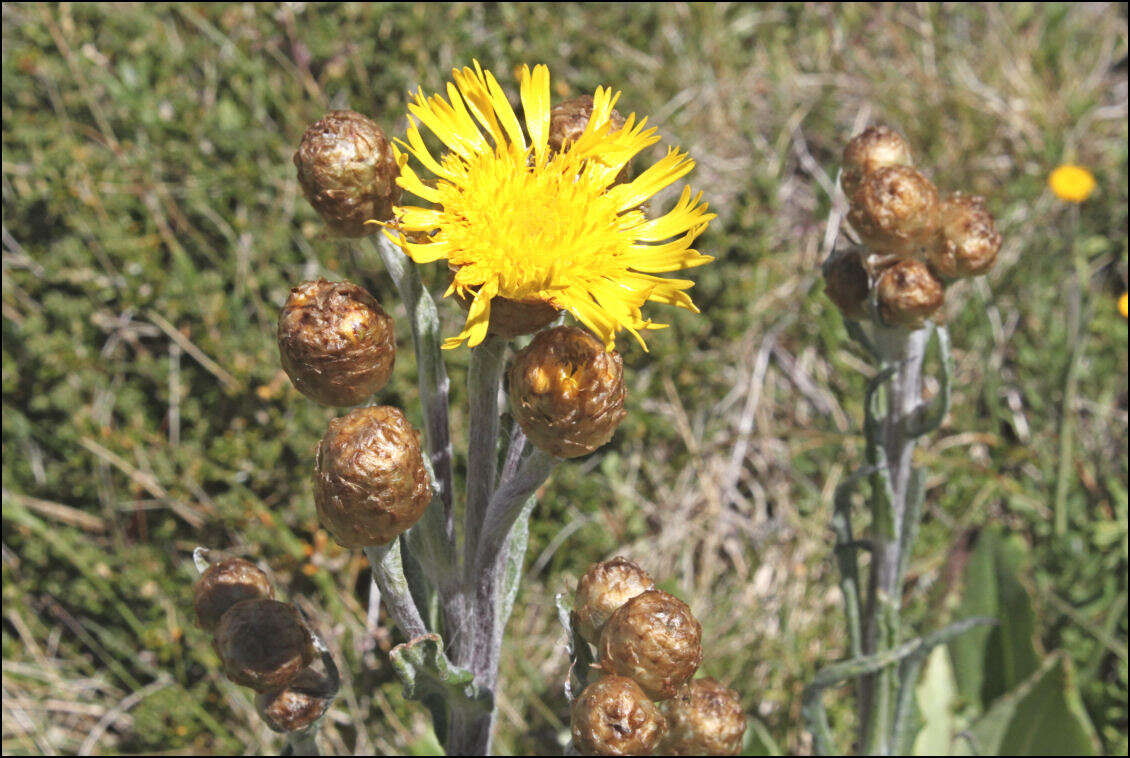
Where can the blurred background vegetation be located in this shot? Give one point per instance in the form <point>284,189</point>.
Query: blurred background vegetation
<point>152,226</point>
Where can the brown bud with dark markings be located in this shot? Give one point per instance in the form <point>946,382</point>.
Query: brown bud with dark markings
<point>567,392</point>
<point>222,585</point>
<point>875,148</point>
<point>336,343</point>
<point>297,705</point>
<point>847,284</point>
<point>568,121</point>
<point>605,587</point>
<point>969,241</point>
<point>370,483</point>
<point>908,293</point>
<point>263,644</point>
<point>613,716</point>
<point>895,210</point>
<point>704,718</point>
<point>654,639</point>
<point>348,172</point>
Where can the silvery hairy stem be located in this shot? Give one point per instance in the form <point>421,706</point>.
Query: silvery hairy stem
<point>476,578</point>
<point>891,444</point>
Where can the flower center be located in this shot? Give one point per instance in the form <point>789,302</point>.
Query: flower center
<point>525,227</point>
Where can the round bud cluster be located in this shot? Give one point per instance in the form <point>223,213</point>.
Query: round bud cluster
<point>704,718</point>
<point>262,643</point>
<point>336,343</point>
<point>648,648</point>
<point>567,391</point>
<point>348,172</point>
<point>601,591</point>
<point>370,482</point>
<point>915,241</point>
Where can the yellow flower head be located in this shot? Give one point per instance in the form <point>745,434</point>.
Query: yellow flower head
<point>518,220</point>
<point>1124,305</point>
<point>1072,183</point>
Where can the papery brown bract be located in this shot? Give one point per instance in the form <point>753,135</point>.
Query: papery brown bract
<point>613,716</point>
<point>655,640</point>
<point>222,585</point>
<point>263,644</point>
<point>603,588</point>
<point>348,172</point>
<point>336,343</point>
<point>968,242</point>
<point>704,718</point>
<point>370,482</point>
<point>895,210</point>
<point>908,293</point>
<point>567,392</point>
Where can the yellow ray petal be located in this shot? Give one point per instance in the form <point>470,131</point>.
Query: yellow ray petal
<point>670,168</point>
<point>535,104</point>
<point>504,112</point>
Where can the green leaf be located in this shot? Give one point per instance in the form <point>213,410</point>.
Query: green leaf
<point>1042,716</point>
<point>991,661</point>
<point>428,676</point>
<point>937,700</point>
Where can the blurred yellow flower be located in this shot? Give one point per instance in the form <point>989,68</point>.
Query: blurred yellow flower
<point>1072,183</point>
<point>518,220</point>
<point>1122,305</point>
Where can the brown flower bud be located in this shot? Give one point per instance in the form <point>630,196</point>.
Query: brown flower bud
<point>969,241</point>
<point>875,148</point>
<point>348,173</point>
<point>613,716</point>
<point>908,293</point>
<point>567,392</point>
<point>222,585</point>
<point>654,639</point>
<point>847,284</point>
<point>298,705</point>
<point>263,643</point>
<point>513,318</point>
<point>895,209</point>
<point>370,484</point>
<point>704,718</point>
<point>568,120</point>
<point>605,587</point>
<point>336,342</point>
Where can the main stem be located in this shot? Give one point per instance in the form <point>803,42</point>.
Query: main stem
<point>904,352</point>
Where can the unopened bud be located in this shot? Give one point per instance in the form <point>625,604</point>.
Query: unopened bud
<point>847,284</point>
<point>704,718</point>
<point>613,716</point>
<point>655,640</point>
<point>222,585</point>
<point>263,644</point>
<point>348,172</point>
<point>297,705</point>
<point>370,483</point>
<point>567,392</point>
<point>895,210</point>
<point>336,343</point>
<point>605,587</point>
<point>908,293</point>
<point>969,241</point>
<point>875,148</point>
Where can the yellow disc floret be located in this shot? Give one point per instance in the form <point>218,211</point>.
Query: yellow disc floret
<point>518,220</point>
